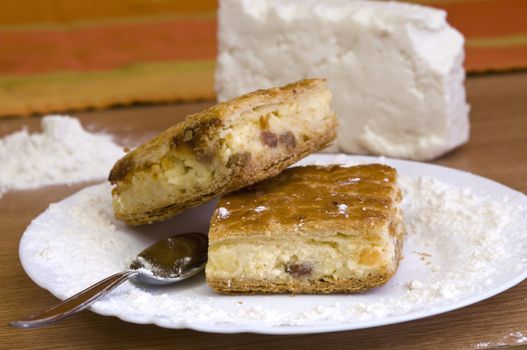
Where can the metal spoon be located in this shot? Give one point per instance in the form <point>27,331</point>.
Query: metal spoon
<point>168,261</point>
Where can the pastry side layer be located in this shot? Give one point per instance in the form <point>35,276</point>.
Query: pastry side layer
<point>308,230</point>
<point>224,148</point>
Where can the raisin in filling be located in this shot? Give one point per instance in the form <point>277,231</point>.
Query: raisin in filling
<point>299,270</point>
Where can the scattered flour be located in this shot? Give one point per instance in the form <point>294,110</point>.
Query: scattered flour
<point>512,338</point>
<point>457,244</point>
<point>260,208</point>
<point>223,212</point>
<point>343,209</point>
<point>63,153</point>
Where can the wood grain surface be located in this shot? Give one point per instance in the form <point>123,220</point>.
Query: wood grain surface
<point>497,150</point>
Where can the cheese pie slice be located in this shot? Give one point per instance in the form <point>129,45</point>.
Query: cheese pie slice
<point>308,230</point>
<point>222,149</point>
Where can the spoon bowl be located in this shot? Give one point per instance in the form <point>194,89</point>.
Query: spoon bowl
<point>172,259</point>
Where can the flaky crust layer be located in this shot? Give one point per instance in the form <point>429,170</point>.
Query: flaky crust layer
<point>351,285</point>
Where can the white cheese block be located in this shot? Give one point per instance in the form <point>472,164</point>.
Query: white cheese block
<point>395,69</point>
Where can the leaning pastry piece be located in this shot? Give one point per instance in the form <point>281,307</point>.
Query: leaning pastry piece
<point>309,230</point>
<point>222,149</point>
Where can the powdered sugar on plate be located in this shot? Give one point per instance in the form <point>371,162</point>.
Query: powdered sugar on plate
<point>63,153</point>
<point>462,246</point>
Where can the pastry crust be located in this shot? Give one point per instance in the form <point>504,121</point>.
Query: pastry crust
<point>350,285</point>
<point>309,230</point>
<point>222,149</point>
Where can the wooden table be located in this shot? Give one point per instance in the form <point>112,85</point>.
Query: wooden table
<point>497,150</point>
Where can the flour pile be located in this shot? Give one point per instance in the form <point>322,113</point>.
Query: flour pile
<point>64,153</point>
<point>458,245</point>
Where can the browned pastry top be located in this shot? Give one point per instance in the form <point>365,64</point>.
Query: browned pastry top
<point>310,199</point>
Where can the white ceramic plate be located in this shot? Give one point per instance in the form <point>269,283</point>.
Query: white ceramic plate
<point>64,251</point>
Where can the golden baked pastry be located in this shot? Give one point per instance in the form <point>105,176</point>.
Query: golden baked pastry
<point>308,230</point>
<point>222,149</point>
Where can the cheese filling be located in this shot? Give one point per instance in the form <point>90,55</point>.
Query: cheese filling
<point>331,258</point>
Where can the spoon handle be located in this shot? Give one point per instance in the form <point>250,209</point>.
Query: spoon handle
<point>74,304</point>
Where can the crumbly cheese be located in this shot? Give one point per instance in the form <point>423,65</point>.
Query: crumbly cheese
<point>395,70</point>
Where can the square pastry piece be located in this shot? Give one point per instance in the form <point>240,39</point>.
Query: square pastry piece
<point>224,148</point>
<point>308,230</point>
